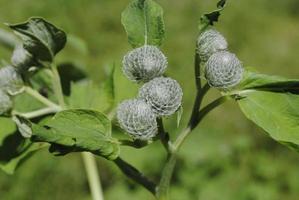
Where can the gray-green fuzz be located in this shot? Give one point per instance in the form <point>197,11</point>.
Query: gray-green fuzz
<point>5,102</point>
<point>223,70</point>
<point>144,63</point>
<point>11,81</point>
<point>136,117</point>
<point>210,42</point>
<point>164,95</point>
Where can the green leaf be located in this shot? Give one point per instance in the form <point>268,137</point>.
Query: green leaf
<point>264,82</point>
<point>208,19</point>
<point>14,149</point>
<point>143,22</point>
<point>276,113</point>
<point>78,130</point>
<point>40,38</point>
<point>101,98</point>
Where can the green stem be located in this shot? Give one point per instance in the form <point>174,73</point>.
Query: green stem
<point>37,113</point>
<point>163,187</point>
<point>57,86</point>
<point>8,39</point>
<point>41,98</point>
<point>164,136</point>
<point>135,175</point>
<point>93,176</point>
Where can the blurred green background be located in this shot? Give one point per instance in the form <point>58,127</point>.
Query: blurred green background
<point>227,157</point>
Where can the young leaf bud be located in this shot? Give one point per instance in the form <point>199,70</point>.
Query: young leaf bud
<point>209,42</point>
<point>10,80</point>
<point>223,70</point>
<point>144,63</point>
<point>164,95</point>
<point>22,59</point>
<point>5,102</point>
<point>137,119</point>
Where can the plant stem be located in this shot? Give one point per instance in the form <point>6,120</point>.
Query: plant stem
<point>93,176</point>
<point>164,136</point>
<point>57,85</point>
<point>135,175</point>
<point>89,162</point>
<point>163,188</point>
<point>41,98</point>
<point>37,113</point>
<point>197,103</point>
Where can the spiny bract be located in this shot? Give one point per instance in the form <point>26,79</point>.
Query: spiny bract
<point>164,95</point>
<point>209,42</point>
<point>10,80</point>
<point>137,119</point>
<point>21,58</point>
<point>5,102</point>
<point>223,70</point>
<point>144,63</point>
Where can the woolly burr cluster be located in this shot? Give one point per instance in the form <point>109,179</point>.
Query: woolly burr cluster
<point>10,80</point>
<point>158,97</point>
<point>11,84</point>
<point>144,63</point>
<point>5,103</point>
<point>137,118</point>
<point>209,42</point>
<point>22,59</point>
<point>223,70</point>
<point>164,95</point>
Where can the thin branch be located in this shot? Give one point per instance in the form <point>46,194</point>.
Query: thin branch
<point>197,70</point>
<point>37,113</point>
<point>196,106</point>
<point>163,188</point>
<point>41,98</point>
<point>135,175</point>
<point>93,176</point>
<point>164,136</point>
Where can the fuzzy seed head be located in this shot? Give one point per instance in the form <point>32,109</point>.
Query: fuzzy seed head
<point>21,58</point>
<point>137,119</point>
<point>144,63</point>
<point>223,70</point>
<point>5,102</point>
<point>164,95</point>
<point>10,80</point>
<point>210,42</point>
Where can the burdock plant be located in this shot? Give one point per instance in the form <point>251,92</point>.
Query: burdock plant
<point>70,114</point>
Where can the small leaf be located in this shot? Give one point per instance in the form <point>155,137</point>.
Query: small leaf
<point>76,131</point>
<point>143,22</point>
<point>24,126</point>
<point>41,38</point>
<point>209,19</point>
<point>276,113</point>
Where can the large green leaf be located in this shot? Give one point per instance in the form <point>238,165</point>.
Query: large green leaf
<point>88,95</point>
<point>276,113</point>
<point>14,149</point>
<point>264,82</point>
<point>143,22</point>
<point>40,38</point>
<point>78,130</point>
